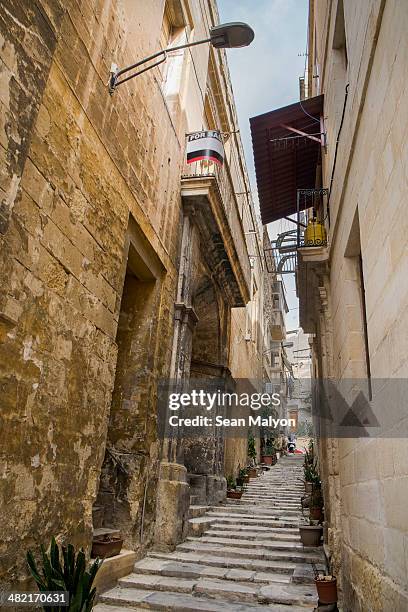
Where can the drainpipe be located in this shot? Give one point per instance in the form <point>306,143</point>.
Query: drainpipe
<point>248,322</point>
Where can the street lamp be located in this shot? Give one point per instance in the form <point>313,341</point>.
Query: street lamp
<point>225,35</point>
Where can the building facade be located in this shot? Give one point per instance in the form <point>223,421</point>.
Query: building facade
<point>357,59</point>
<point>121,266</point>
<point>335,164</point>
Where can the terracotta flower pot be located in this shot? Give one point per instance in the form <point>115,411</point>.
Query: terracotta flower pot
<point>232,494</point>
<point>246,479</point>
<point>267,459</point>
<point>106,548</point>
<point>253,473</point>
<point>310,535</point>
<point>327,591</point>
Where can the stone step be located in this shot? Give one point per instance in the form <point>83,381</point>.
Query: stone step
<point>233,562</point>
<point>231,591</point>
<point>199,525</point>
<point>276,495</point>
<point>258,511</point>
<point>249,520</point>
<point>268,544</point>
<point>258,528</point>
<point>164,567</point>
<point>135,600</point>
<point>232,550</point>
<point>273,511</point>
<point>278,498</point>
<point>252,535</point>
<point>197,511</point>
<point>257,506</point>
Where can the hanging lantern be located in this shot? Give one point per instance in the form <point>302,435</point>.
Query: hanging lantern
<point>315,233</point>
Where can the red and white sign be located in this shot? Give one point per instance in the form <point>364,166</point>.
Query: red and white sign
<point>205,145</point>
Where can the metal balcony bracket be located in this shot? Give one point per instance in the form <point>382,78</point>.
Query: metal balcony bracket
<point>321,140</point>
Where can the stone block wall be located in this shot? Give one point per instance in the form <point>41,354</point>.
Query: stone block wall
<point>369,489</point>
<point>87,177</point>
<point>79,164</point>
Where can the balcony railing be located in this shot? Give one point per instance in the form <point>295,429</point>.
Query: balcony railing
<point>312,217</point>
<point>313,221</point>
<point>232,203</point>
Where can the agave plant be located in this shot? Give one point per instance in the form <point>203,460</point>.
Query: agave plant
<point>71,576</point>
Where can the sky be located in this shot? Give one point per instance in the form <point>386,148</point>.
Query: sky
<point>265,76</point>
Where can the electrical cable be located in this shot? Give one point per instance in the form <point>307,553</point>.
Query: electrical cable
<point>300,101</point>
<point>337,145</point>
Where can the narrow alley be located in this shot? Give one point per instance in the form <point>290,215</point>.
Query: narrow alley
<point>241,555</point>
<point>204,305</point>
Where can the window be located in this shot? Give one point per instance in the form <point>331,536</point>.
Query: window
<point>340,58</point>
<point>174,32</point>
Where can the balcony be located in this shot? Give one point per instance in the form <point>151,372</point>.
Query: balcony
<point>208,193</point>
<point>313,220</point>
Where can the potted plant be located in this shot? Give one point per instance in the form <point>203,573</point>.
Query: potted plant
<point>268,455</point>
<point>326,586</point>
<point>242,477</point>
<point>232,491</point>
<point>252,472</point>
<point>316,503</point>
<point>66,572</point>
<point>311,534</point>
<point>243,474</point>
<point>310,468</point>
<point>106,546</point>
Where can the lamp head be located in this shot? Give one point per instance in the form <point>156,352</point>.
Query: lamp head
<point>228,35</point>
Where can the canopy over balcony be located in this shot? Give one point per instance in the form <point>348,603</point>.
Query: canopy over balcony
<point>287,149</point>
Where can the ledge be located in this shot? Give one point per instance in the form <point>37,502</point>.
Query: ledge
<point>221,230</point>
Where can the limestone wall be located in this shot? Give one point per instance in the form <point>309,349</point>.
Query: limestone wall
<point>369,486</point>
<point>90,197</point>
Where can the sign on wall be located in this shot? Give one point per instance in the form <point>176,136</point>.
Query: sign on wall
<point>205,145</point>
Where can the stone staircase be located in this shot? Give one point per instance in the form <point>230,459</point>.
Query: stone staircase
<point>241,555</point>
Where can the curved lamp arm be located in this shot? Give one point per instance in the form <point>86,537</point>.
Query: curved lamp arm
<point>226,35</point>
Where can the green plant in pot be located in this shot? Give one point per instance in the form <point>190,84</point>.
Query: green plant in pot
<point>65,571</point>
<point>252,449</point>
<point>231,483</point>
<point>232,491</point>
<point>316,503</point>
<point>310,532</point>
<point>269,453</point>
<point>240,477</point>
<point>243,473</point>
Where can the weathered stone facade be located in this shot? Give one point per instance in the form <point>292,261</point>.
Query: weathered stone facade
<point>359,59</point>
<point>115,271</point>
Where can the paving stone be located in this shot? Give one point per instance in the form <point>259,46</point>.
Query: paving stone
<point>271,577</point>
<point>227,590</point>
<point>142,581</point>
<point>182,570</point>
<point>124,595</point>
<point>214,572</point>
<point>238,574</point>
<point>288,594</point>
